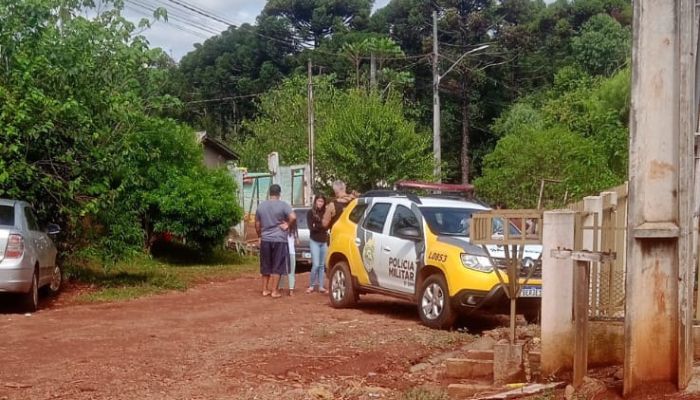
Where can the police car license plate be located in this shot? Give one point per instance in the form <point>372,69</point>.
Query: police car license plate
<point>306,255</point>
<point>531,291</point>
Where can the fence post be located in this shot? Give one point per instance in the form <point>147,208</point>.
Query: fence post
<point>592,235</point>
<point>557,293</point>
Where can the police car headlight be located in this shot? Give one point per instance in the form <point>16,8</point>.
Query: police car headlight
<point>477,263</point>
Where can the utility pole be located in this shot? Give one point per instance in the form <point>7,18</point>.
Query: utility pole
<point>310,112</point>
<point>659,284</point>
<point>436,104</point>
<point>436,96</point>
<point>372,71</point>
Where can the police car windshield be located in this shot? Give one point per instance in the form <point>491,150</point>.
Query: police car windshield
<point>448,221</point>
<point>456,221</point>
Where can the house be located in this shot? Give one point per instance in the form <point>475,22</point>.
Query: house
<point>216,153</point>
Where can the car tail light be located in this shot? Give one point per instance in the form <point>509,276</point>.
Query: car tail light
<point>15,246</point>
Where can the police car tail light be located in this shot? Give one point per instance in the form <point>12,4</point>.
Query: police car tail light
<point>477,263</point>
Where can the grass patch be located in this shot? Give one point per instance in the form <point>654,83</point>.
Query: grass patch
<point>146,275</point>
<point>443,339</point>
<point>424,394</point>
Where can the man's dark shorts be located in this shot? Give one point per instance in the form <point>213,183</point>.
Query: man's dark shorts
<point>274,258</point>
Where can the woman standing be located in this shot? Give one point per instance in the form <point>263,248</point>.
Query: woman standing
<point>318,243</point>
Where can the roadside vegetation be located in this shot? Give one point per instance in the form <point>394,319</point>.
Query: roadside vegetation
<point>173,267</point>
<point>87,134</point>
<point>97,128</point>
<point>547,99</point>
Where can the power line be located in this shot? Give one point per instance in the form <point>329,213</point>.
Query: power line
<point>243,96</point>
<point>189,23</point>
<point>174,25</point>
<point>200,11</point>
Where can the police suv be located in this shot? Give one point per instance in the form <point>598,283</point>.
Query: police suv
<point>418,249</point>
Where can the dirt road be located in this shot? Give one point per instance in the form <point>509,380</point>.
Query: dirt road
<point>217,341</point>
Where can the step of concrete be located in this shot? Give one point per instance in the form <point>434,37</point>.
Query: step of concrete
<point>458,391</point>
<point>464,368</point>
<point>480,355</point>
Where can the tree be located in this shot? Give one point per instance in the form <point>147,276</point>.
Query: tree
<point>603,45</point>
<point>222,75</point>
<point>361,137</point>
<point>512,172</point>
<point>313,20</point>
<point>281,124</point>
<point>575,132</point>
<point>355,52</point>
<point>85,137</point>
<point>368,142</point>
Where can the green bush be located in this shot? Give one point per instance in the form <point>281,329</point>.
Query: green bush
<point>84,137</point>
<point>200,207</point>
<point>512,172</point>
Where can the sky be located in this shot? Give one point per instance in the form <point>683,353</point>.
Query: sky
<point>185,27</point>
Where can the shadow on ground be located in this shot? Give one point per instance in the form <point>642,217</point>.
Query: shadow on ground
<point>181,255</point>
<point>10,303</point>
<point>474,323</point>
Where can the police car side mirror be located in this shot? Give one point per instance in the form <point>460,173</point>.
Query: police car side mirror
<point>409,234</point>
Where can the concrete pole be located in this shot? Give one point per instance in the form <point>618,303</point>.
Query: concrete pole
<point>658,320</point>
<point>557,293</point>
<point>373,71</point>
<point>436,104</point>
<point>273,165</point>
<point>311,122</point>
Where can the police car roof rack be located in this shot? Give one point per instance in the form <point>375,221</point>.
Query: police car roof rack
<point>391,193</point>
<point>439,190</point>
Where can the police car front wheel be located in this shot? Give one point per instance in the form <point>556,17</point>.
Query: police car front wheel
<point>342,293</point>
<point>434,303</point>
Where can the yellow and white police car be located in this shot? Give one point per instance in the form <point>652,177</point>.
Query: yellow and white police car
<point>418,249</point>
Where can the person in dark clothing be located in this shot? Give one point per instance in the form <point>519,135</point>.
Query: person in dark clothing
<point>318,242</point>
<point>335,208</point>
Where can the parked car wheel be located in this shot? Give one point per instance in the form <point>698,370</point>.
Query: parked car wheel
<point>434,305</point>
<point>342,293</point>
<point>56,281</point>
<point>30,300</point>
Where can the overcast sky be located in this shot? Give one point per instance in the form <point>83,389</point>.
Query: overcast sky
<point>185,28</point>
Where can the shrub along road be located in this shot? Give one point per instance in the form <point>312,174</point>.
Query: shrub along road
<point>219,340</point>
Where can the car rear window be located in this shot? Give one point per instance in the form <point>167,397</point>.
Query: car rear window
<point>7,215</point>
<point>358,212</point>
<point>301,218</point>
<point>377,217</point>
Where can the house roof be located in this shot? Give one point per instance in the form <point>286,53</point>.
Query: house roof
<point>217,145</point>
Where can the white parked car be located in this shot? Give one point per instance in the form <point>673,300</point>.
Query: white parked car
<point>27,254</point>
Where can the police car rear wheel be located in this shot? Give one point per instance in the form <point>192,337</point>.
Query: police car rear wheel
<point>342,293</point>
<point>434,305</point>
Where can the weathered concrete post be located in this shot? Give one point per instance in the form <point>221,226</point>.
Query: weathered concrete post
<point>658,336</point>
<point>557,293</point>
<point>273,165</point>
